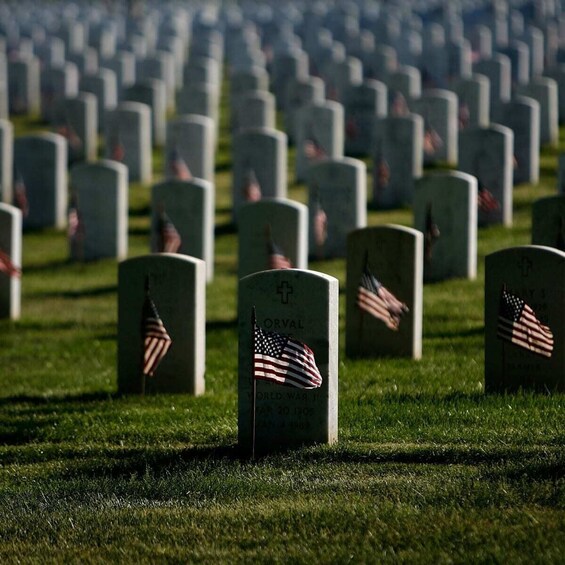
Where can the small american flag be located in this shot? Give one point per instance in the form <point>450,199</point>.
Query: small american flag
<point>20,196</point>
<point>320,225</point>
<point>156,340</point>
<point>277,258</point>
<point>176,166</point>
<point>352,128</point>
<point>518,324</point>
<point>6,266</point>
<point>375,299</point>
<point>75,230</point>
<point>399,107</point>
<point>284,360</point>
<point>118,152</point>
<point>313,150</point>
<point>68,132</point>
<point>252,188</point>
<point>169,238</point>
<point>431,234</point>
<point>486,200</point>
<point>432,141</point>
<point>464,115</point>
<point>381,174</point>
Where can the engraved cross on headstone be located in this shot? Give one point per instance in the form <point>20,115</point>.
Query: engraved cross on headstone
<point>525,266</point>
<point>284,290</point>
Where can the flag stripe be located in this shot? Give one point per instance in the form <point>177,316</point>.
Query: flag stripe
<point>518,324</point>
<point>376,307</point>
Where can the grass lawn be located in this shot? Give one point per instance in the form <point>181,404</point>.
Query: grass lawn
<point>427,468</point>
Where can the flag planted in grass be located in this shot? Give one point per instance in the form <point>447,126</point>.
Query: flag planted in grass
<point>169,238</point>
<point>156,340</point>
<point>6,266</point>
<point>375,299</point>
<point>276,257</point>
<point>284,360</point>
<point>518,323</point>
<point>177,167</point>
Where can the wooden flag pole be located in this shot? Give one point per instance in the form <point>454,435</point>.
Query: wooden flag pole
<point>253,384</point>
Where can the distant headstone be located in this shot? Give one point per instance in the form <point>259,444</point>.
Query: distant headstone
<point>544,91</point>
<point>397,159</point>
<point>76,119</point>
<point>384,292</point>
<point>519,55</point>
<point>86,61</point>
<point>57,83</point>
<point>303,305</point>
<point>273,233</point>
<point>104,86</point>
<point>337,204</point>
<point>439,108</point>
<point>153,93</point>
<point>191,137</point>
<point>364,104</point>
<point>6,160</point>
<point>189,207</point>
<point>259,166</point>
<point>473,95</point>
<point>177,287</point>
<point>287,66</point>
<point>160,66</point>
<point>319,130</point>
<point>445,211</point>
<point>23,84</point>
<point>40,164</point>
<point>128,139</point>
<point>557,73</point>
<point>99,204</point>
<point>406,83</point>
<point>201,99</point>
<point>10,261</point>
<point>123,64</point>
<point>298,93</point>
<point>488,154</point>
<point>548,222</point>
<point>524,319</point>
<point>522,116</point>
<point>256,109</point>
<point>498,71</point>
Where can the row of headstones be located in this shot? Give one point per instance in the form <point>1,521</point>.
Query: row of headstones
<point>522,291</point>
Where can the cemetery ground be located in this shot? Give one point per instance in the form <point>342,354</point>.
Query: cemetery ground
<point>427,468</point>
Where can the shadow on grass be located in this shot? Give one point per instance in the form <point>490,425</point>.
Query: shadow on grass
<point>221,325</point>
<point>86,292</point>
<point>52,266</point>
<point>141,211</point>
<point>225,229</point>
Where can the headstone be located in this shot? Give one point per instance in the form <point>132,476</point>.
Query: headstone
<point>57,83</point>
<point>123,64</point>
<point>259,166</point>
<point>498,71</point>
<point>192,138</point>
<point>76,119</point>
<point>342,75</point>
<point>488,154</point>
<point>273,233</point>
<point>319,132</point>
<point>11,259</point>
<point>473,95</point>
<point>177,287</point>
<point>397,160</point>
<point>202,70</point>
<point>99,201</point>
<point>364,104</point>
<point>24,86</point>
<point>557,73</point>
<point>445,211</point>
<point>519,56</point>
<point>300,92</point>
<point>439,108</point>
<point>548,222</point>
<point>256,109</point>
<point>522,116</point>
<point>201,99</point>
<point>337,204</point>
<point>389,324</point>
<point>159,66</point>
<point>544,91</point>
<point>104,86</point>
<point>40,164</point>
<point>524,306</point>
<point>86,61</point>
<point>404,83</point>
<point>153,93</point>
<point>561,173</point>
<point>383,61</point>
<point>128,139</point>
<point>6,160</point>
<point>189,206</point>
<point>303,304</point>
<point>287,66</point>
